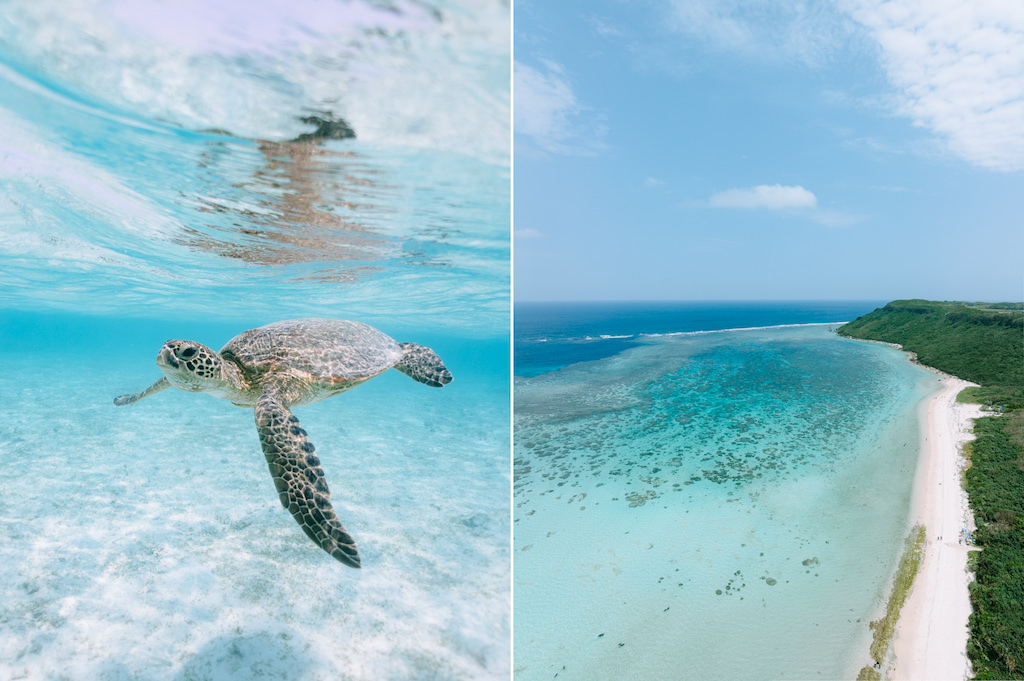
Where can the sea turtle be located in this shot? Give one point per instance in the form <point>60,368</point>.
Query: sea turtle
<point>290,364</point>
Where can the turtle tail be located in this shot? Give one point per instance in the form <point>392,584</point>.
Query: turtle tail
<point>299,479</point>
<point>423,364</point>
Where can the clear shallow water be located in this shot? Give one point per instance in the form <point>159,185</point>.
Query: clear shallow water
<point>720,505</point>
<point>148,191</point>
<point>148,542</point>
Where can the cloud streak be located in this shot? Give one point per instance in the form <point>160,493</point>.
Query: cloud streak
<point>806,31</point>
<point>548,114</point>
<point>958,66</point>
<point>770,197</point>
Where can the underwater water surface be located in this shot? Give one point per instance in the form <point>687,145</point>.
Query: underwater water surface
<point>197,169</point>
<point>725,505</point>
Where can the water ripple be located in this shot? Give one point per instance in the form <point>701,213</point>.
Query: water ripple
<point>166,179</point>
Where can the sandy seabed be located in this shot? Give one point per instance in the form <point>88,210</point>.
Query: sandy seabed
<point>931,637</point>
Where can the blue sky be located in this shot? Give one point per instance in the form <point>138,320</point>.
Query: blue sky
<point>768,149</point>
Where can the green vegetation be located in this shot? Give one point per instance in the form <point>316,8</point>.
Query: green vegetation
<point>973,343</point>
<point>869,674</point>
<point>910,561</point>
<point>978,342</point>
<point>982,343</point>
<point>995,484</point>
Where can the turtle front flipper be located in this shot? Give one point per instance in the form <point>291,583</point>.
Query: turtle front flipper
<point>299,479</point>
<point>422,364</point>
<point>132,398</point>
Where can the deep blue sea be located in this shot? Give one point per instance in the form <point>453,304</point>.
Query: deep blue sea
<point>707,491</point>
<point>549,336</point>
<point>189,170</point>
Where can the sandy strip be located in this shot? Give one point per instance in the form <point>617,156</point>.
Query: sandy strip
<point>931,637</point>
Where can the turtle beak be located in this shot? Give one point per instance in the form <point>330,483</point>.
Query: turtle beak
<point>166,358</point>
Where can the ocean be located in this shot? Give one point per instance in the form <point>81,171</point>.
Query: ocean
<point>705,490</point>
<point>189,170</point>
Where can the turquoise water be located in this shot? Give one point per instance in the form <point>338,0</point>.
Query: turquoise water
<point>149,189</point>
<point>711,505</point>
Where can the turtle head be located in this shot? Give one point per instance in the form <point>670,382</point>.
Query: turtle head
<point>191,366</point>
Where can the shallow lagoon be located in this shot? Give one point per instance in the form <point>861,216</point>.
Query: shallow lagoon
<point>724,505</point>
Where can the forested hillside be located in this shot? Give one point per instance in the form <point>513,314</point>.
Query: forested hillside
<point>979,343</point>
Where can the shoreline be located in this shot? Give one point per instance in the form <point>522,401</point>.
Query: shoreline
<point>931,636</point>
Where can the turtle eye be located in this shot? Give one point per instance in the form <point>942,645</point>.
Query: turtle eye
<point>187,353</point>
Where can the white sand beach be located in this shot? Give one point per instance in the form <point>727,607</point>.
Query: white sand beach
<point>931,637</point>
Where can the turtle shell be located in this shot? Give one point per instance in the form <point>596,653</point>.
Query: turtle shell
<point>330,351</point>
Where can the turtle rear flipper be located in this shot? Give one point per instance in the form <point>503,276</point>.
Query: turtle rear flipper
<point>299,480</point>
<point>423,364</point>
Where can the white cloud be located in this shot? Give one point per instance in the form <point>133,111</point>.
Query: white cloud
<point>771,197</point>
<point>528,233</point>
<point>547,113</point>
<point>604,28</point>
<point>544,102</point>
<point>780,198</point>
<point>807,31</point>
<point>831,218</point>
<point>958,66</point>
